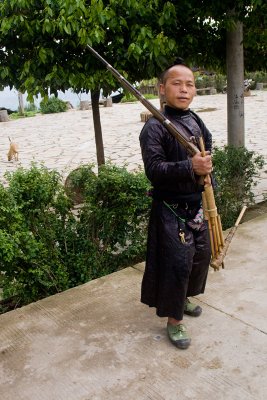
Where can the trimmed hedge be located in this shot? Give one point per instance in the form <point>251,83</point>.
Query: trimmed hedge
<point>46,248</point>
<point>52,105</point>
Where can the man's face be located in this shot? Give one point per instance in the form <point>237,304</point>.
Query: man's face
<point>179,87</point>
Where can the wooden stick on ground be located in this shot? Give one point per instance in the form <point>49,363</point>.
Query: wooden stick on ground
<point>217,262</point>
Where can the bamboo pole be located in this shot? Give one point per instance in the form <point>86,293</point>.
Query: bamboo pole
<point>214,220</point>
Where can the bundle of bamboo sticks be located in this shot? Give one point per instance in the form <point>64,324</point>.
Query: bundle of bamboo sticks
<point>214,224</point>
<point>211,214</point>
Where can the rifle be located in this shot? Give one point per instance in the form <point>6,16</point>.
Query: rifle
<point>214,221</point>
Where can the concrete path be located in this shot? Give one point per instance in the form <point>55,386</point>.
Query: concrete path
<point>97,341</point>
<point>66,140</point>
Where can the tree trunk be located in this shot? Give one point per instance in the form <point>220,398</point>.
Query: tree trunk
<point>235,86</point>
<point>97,126</point>
<point>21,105</point>
<point>4,116</point>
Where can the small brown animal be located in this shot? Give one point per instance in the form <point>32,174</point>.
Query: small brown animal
<point>13,152</point>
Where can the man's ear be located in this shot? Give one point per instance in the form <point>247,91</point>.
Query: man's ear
<point>162,89</point>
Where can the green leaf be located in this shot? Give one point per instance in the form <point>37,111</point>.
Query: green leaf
<point>42,54</point>
<point>67,29</point>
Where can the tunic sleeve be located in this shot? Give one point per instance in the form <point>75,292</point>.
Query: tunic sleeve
<point>165,161</point>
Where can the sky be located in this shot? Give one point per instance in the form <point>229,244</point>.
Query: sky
<point>9,98</point>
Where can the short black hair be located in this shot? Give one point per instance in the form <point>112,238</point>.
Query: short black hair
<point>177,61</point>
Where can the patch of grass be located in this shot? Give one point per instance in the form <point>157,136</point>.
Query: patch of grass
<point>206,109</point>
<point>128,98</point>
<point>17,115</point>
<point>150,96</point>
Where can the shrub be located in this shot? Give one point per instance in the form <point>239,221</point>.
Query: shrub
<point>77,181</point>
<point>220,82</point>
<point>235,172</point>
<point>203,81</point>
<point>111,232</point>
<point>35,217</point>
<point>52,105</point>
<point>128,97</point>
<point>257,77</point>
<point>30,107</point>
<point>46,248</point>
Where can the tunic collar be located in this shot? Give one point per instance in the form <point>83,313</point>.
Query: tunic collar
<point>175,112</point>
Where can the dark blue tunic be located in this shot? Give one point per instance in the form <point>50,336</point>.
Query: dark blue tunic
<point>174,270</point>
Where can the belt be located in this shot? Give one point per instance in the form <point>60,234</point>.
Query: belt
<point>184,202</point>
<point>185,205</point>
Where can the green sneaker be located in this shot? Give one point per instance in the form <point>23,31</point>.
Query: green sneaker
<point>178,335</point>
<point>192,309</point>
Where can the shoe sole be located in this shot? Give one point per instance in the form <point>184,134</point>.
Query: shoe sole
<point>196,313</point>
<point>181,344</point>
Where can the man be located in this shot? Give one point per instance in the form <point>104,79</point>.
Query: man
<point>178,248</point>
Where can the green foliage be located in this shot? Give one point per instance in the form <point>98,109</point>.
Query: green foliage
<point>17,115</point>
<point>148,82</point>
<point>52,105</point>
<point>33,220</point>
<point>209,21</point>
<point>220,82</point>
<point>111,232</point>
<point>46,247</point>
<point>30,107</point>
<point>217,81</point>
<point>130,98</point>
<point>77,181</point>
<point>236,172</point>
<point>43,45</point>
<point>257,77</point>
<point>150,96</point>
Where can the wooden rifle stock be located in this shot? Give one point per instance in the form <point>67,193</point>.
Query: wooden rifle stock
<point>190,147</point>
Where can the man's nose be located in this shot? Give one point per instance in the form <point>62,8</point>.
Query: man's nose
<point>183,88</point>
